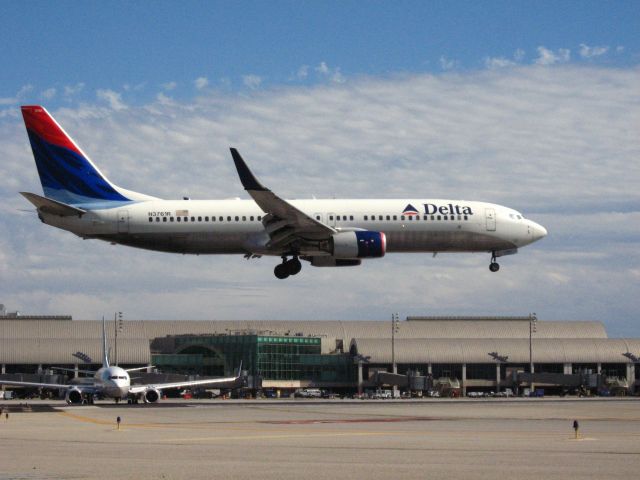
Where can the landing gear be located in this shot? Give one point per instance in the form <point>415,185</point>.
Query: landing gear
<point>494,266</point>
<point>287,267</point>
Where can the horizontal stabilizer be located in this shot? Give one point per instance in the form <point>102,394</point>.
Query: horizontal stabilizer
<point>53,207</point>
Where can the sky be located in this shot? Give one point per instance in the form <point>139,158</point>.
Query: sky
<point>533,105</point>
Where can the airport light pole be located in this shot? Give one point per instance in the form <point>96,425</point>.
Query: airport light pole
<point>395,327</point>
<point>532,329</point>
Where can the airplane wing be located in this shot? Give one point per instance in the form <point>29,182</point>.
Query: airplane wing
<point>284,223</point>
<point>35,384</point>
<point>225,382</point>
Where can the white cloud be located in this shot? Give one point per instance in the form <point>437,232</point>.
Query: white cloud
<point>559,144</point>
<point>48,94</point>
<point>498,62</point>
<point>322,68</point>
<point>518,55</point>
<point>71,90</point>
<point>251,81</point>
<point>114,99</point>
<point>303,72</point>
<point>447,64</point>
<point>169,86</point>
<point>590,52</point>
<point>19,96</point>
<point>549,57</point>
<point>201,82</point>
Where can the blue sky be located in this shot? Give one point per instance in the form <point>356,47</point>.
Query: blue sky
<point>533,105</point>
<point>143,45</point>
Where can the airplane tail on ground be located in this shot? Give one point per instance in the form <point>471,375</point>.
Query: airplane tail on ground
<point>105,355</point>
<point>67,174</point>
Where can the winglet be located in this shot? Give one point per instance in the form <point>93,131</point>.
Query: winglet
<point>249,181</point>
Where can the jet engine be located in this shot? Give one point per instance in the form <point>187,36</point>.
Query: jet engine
<point>151,395</point>
<point>73,396</point>
<point>358,244</point>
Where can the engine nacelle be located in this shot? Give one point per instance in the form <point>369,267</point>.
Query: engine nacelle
<point>334,262</point>
<point>359,244</point>
<point>151,395</point>
<point>73,396</point>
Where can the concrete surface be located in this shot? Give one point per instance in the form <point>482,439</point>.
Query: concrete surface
<point>477,439</point>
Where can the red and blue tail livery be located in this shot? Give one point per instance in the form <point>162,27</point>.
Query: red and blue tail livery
<point>66,172</point>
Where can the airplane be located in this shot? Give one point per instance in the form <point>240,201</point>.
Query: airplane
<point>325,233</point>
<point>111,381</point>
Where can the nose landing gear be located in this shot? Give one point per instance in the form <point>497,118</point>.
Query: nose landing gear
<point>494,266</point>
<point>287,267</point>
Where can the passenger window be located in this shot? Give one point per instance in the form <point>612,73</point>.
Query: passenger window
<point>388,217</point>
<point>330,217</point>
<point>466,218</point>
<point>164,219</point>
<point>433,217</point>
<point>206,219</point>
<point>244,219</point>
<point>395,217</point>
<point>251,218</point>
<point>186,219</point>
<point>380,217</point>
<point>178,219</point>
<point>199,219</point>
<point>221,219</point>
<point>171,219</point>
<point>426,217</point>
<point>409,218</point>
<point>350,217</point>
<point>439,217</point>
<point>193,219</point>
<point>237,219</point>
<point>366,217</point>
<point>151,219</point>
<point>157,219</point>
<point>259,218</point>
<point>401,217</point>
<point>228,219</point>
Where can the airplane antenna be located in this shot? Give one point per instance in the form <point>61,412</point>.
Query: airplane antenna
<point>105,357</point>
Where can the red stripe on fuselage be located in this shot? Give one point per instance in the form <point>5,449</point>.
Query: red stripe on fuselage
<point>40,122</point>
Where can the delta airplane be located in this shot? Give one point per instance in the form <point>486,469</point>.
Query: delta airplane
<point>115,382</point>
<point>325,233</point>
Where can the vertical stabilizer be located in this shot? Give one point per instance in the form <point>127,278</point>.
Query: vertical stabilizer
<point>105,357</point>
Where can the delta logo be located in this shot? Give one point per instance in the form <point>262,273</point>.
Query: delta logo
<point>410,211</point>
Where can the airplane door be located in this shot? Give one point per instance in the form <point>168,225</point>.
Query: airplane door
<point>123,221</point>
<point>331,219</point>
<point>490,215</point>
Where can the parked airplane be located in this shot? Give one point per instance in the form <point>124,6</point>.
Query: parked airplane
<point>115,382</point>
<point>326,233</point>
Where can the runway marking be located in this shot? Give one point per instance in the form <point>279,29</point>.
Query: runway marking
<point>272,436</point>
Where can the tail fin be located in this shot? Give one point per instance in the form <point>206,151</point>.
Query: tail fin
<point>105,355</point>
<point>66,172</point>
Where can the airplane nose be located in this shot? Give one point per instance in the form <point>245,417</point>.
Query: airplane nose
<point>538,231</point>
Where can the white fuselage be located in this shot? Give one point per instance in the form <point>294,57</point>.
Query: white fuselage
<point>235,226</point>
<point>112,382</point>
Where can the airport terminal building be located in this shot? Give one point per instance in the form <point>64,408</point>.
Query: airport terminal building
<point>477,353</point>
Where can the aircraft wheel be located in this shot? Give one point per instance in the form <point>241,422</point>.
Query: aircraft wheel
<point>294,266</point>
<point>494,267</point>
<point>281,271</point>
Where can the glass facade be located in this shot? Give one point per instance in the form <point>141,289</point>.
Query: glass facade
<point>270,357</point>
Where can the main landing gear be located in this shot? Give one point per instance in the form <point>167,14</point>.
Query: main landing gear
<point>494,266</point>
<point>287,267</point>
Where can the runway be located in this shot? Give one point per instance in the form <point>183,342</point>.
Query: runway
<point>284,439</point>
